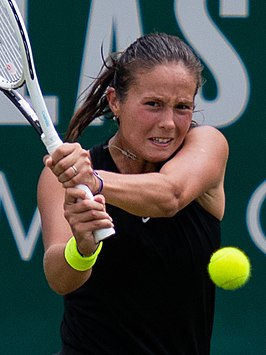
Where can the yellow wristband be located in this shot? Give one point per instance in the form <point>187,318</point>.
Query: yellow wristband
<point>77,261</point>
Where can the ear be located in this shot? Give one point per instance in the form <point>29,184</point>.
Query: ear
<point>113,101</point>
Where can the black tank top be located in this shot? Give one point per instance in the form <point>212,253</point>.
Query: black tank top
<point>149,292</point>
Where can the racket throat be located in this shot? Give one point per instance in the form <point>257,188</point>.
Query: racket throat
<point>51,143</point>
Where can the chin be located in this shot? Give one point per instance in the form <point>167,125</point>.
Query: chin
<point>160,159</point>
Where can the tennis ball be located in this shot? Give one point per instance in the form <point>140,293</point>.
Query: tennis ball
<point>229,268</point>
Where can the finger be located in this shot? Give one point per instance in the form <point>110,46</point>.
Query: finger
<point>63,157</point>
<point>63,151</point>
<point>101,224</point>
<point>83,228</point>
<point>72,195</point>
<point>99,198</point>
<point>47,161</point>
<point>71,166</point>
<point>68,176</point>
<point>77,217</point>
<point>90,206</point>
<point>79,197</point>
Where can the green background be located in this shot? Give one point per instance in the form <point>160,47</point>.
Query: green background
<point>30,313</point>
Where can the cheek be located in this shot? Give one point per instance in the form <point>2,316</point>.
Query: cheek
<point>136,120</point>
<point>183,123</point>
<point>130,128</point>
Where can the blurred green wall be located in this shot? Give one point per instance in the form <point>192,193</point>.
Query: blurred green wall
<point>229,36</point>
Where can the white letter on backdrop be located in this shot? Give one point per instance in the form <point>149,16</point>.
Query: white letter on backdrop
<point>222,60</point>
<point>107,19</point>
<point>25,243</point>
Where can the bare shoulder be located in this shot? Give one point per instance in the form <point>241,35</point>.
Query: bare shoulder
<point>196,172</point>
<point>210,144</point>
<point>213,142</point>
<point>208,135</point>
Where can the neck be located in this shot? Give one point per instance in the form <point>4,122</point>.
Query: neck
<point>127,153</point>
<point>116,146</point>
<point>127,161</point>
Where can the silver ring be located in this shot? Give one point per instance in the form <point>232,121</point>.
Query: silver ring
<point>75,170</point>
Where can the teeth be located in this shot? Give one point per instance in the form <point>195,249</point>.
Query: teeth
<point>161,140</point>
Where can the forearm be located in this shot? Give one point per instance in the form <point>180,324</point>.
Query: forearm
<point>150,194</point>
<point>60,276</point>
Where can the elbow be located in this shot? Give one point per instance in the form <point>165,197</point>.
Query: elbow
<point>61,287</point>
<point>55,285</point>
<point>61,291</point>
<point>168,211</point>
<point>60,277</point>
<point>170,206</point>
<point>57,289</point>
<point>52,277</point>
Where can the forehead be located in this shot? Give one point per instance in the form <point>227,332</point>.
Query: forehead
<point>165,78</point>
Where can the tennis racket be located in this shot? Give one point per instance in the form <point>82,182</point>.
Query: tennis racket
<point>16,69</point>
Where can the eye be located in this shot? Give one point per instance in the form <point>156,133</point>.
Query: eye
<point>182,106</point>
<point>152,104</point>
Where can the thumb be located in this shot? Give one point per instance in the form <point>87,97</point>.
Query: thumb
<point>99,198</point>
<point>47,160</point>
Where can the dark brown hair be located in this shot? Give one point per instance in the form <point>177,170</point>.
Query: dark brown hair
<point>119,71</point>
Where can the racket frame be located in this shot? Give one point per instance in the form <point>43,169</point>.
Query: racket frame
<point>40,113</point>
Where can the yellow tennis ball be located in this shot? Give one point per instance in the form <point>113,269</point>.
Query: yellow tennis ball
<point>229,268</point>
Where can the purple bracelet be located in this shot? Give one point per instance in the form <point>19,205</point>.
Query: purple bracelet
<point>101,182</point>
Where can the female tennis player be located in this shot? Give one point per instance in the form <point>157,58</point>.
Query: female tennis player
<point>159,181</point>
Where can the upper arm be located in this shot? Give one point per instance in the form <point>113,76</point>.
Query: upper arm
<point>198,168</point>
<point>50,194</point>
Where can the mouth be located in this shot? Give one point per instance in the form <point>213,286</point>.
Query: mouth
<point>161,141</point>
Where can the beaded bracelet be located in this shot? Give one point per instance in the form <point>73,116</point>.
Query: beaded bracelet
<point>101,182</point>
<point>76,260</point>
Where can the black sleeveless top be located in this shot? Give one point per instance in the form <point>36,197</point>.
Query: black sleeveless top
<point>149,292</point>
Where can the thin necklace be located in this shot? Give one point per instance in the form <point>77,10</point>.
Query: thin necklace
<point>126,153</point>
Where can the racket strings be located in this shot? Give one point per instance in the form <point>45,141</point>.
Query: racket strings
<point>11,68</point>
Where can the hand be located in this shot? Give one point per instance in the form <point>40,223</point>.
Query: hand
<point>72,166</point>
<point>84,217</point>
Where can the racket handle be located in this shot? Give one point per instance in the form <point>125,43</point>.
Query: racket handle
<point>52,141</point>
<point>99,234</point>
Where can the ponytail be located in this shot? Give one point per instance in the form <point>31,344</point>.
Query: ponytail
<point>95,105</point>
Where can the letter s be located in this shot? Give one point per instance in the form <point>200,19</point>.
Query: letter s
<point>223,61</point>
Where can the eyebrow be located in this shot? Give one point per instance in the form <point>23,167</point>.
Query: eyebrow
<point>179,100</point>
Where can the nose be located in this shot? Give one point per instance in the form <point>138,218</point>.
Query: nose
<point>167,119</point>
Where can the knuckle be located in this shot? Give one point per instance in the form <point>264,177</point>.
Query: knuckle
<point>85,153</point>
<point>98,224</point>
<point>85,203</point>
<point>93,214</point>
<point>76,145</point>
<point>61,165</point>
<point>61,149</point>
